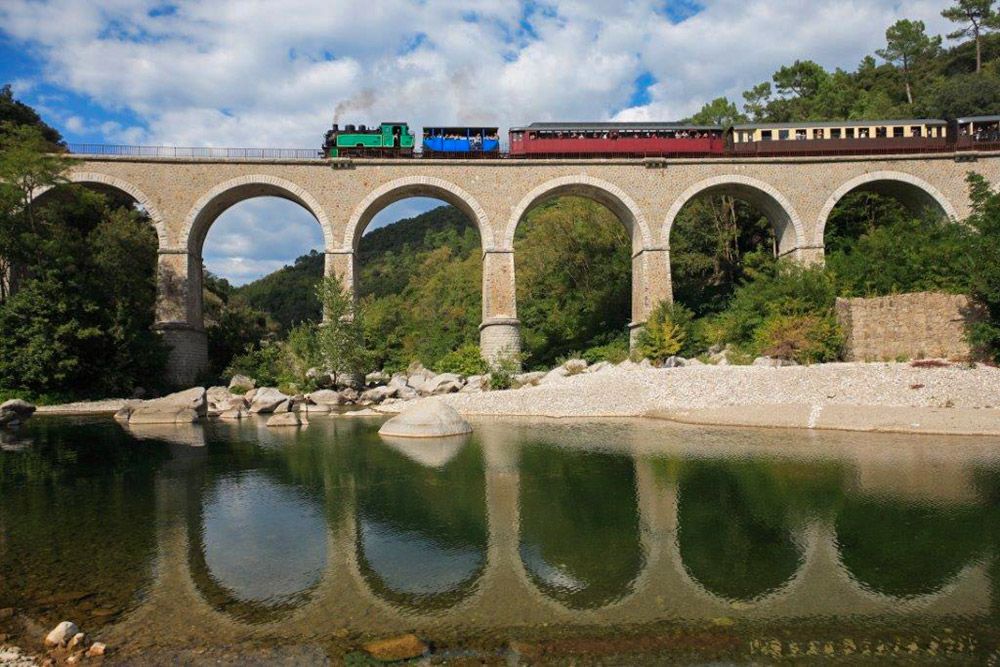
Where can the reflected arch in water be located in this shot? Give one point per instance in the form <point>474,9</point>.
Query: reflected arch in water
<point>585,555</point>
<point>907,549</point>
<point>421,523</point>
<point>735,530</point>
<point>258,548</point>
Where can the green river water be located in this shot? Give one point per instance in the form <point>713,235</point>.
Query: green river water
<point>615,542</point>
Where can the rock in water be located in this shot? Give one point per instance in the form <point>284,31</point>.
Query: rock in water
<point>284,419</point>
<point>61,634</point>
<point>404,647</point>
<point>426,419</point>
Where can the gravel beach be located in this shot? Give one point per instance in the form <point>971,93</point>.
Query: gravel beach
<point>852,396</point>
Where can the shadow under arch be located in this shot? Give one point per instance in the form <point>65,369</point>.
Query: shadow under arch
<point>415,186</point>
<point>607,194</point>
<point>916,194</point>
<point>103,183</point>
<point>564,543</point>
<point>421,525</point>
<point>905,550</point>
<point>788,227</point>
<point>239,519</point>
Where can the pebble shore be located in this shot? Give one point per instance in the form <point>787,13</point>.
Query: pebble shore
<point>853,396</point>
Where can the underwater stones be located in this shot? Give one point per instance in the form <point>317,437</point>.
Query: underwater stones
<point>403,647</point>
<point>61,634</point>
<point>426,419</point>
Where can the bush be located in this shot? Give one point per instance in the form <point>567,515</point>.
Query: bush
<point>984,332</point>
<point>667,332</point>
<point>503,368</point>
<point>263,363</point>
<point>806,339</point>
<point>466,360</point>
<point>614,352</point>
<point>785,289</point>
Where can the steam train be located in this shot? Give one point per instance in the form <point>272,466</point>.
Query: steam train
<point>644,140</point>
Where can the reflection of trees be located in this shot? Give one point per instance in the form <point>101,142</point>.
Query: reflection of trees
<point>579,524</point>
<point>907,548</point>
<point>79,521</point>
<point>736,521</point>
<point>445,508</point>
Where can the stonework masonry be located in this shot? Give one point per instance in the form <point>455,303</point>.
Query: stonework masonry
<point>907,326</point>
<point>185,196</point>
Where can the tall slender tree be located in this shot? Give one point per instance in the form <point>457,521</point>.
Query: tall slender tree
<point>906,43</point>
<point>977,17</point>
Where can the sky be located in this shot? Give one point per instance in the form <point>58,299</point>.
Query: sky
<point>252,73</point>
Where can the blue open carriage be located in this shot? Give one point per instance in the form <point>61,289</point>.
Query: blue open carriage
<point>461,140</point>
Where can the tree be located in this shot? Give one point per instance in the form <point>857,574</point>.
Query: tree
<point>756,100</point>
<point>719,111</point>
<point>340,339</point>
<point>907,42</point>
<point>18,113</point>
<point>984,333</point>
<point>801,79</point>
<point>977,18</point>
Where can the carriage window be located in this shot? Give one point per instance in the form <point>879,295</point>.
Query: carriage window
<point>819,134</point>
<point>898,131</point>
<point>863,133</point>
<point>783,135</point>
<point>766,135</point>
<point>916,131</point>
<point>880,132</point>
<point>800,134</point>
<point>835,133</point>
<point>850,133</point>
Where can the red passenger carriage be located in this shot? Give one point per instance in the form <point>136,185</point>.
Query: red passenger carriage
<point>549,140</point>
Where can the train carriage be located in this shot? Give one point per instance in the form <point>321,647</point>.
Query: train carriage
<point>978,133</point>
<point>839,137</point>
<point>543,140</point>
<point>461,141</point>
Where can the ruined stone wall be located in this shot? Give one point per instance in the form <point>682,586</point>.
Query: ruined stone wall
<point>911,326</point>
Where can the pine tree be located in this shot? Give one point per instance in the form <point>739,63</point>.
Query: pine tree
<point>977,18</point>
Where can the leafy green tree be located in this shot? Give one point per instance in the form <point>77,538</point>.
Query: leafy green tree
<point>16,112</point>
<point>977,17</point>
<point>668,332</point>
<point>801,79</point>
<point>907,42</point>
<point>719,111</point>
<point>340,340</point>
<point>963,95</point>
<point>985,292</point>
<point>756,100</point>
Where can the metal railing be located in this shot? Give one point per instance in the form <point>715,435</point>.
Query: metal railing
<point>191,152</point>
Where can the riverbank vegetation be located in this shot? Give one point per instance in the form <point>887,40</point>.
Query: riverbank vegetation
<point>77,294</point>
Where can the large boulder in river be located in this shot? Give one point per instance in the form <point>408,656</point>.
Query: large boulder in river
<point>266,399</point>
<point>183,407</point>
<point>285,419</point>
<point>326,397</point>
<point>15,411</point>
<point>426,419</point>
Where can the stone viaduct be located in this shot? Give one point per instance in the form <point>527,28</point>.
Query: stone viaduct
<point>184,196</point>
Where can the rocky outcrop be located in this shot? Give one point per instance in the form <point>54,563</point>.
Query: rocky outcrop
<point>241,383</point>
<point>284,419</point>
<point>179,408</point>
<point>266,399</point>
<point>15,412</point>
<point>426,419</point>
<point>445,383</point>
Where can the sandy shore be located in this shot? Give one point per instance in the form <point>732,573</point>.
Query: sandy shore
<point>858,397</point>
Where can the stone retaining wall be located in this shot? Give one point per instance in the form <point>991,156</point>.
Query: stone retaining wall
<point>910,326</point>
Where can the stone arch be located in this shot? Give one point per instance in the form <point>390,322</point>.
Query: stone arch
<point>229,193</point>
<point>105,181</point>
<point>603,192</point>
<point>911,191</point>
<point>768,199</point>
<point>415,186</point>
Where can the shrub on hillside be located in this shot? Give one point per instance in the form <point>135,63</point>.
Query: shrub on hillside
<point>466,360</point>
<point>806,339</point>
<point>668,332</point>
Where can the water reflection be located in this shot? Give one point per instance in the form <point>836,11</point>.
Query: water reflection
<point>262,543</point>
<point>422,532</point>
<point>580,538</point>
<point>607,524</point>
